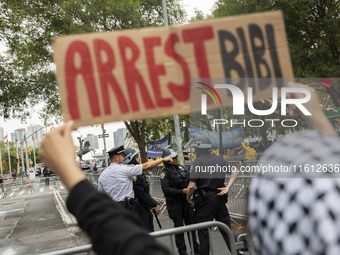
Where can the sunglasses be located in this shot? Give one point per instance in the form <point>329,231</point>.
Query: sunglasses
<point>174,158</point>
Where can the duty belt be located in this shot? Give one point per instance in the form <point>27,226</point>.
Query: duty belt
<point>130,204</point>
<point>181,196</point>
<point>210,192</point>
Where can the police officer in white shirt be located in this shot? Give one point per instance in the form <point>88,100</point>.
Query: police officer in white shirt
<point>116,180</point>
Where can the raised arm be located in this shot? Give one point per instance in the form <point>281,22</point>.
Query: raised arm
<point>153,164</point>
<point>317,120</point>
<point>112,229</point>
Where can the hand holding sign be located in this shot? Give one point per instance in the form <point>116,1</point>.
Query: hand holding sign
<point>145,73</point>
<point>317,120</point>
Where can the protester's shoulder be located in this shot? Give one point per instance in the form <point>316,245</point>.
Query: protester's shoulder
<point>304,141</point>
<point>307,147</point>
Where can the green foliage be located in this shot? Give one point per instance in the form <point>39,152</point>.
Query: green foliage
<point>13,155</point>
<point>151,130</point>
<point>199,15</point>
<point>4,156</point>
<point>27,72</point>
<point>312,31</point>
<point>156,129</point>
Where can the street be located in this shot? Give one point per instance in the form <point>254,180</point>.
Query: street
<point>38,222</point>
<point>32,222</point>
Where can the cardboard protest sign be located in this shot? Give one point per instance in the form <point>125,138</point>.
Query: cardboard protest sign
<point>145,73</point>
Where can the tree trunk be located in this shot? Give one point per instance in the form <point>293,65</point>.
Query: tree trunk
<point>263,131</point>
<point>137,131</point>
<point>143,154</point>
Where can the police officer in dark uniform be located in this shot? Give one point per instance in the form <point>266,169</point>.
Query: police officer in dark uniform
<point>141,189</point>
<point>211,191</point>
<point>174,182</point>
<point>1,184</point>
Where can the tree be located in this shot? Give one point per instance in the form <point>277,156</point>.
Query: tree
<point>152,129</point>
<point>29,26</point>
<point>13,155</point>
<point>312,31</point>
<point>4,156</point>
<point>27,72</point>
<point>199,15</point>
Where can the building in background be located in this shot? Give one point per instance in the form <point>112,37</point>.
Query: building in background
<point>93,139</point>
<point>119,137</point>
<point>2,135</point>
<point>20,134</point>
<point>37,132</point>
<point>13,138</point>
<point>129,142</point>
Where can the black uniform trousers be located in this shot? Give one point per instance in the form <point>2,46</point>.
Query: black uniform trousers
<point>179,210</point>
<point>147,218</point>
<point>213,208</point>
<point>47,181</point>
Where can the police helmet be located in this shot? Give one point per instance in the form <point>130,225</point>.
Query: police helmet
<point>130,154</point>
<point>169,153</point>
<point>201,142</point>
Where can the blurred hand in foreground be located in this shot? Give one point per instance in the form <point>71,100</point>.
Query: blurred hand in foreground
<point>317,120</point>
<point>58,153</point>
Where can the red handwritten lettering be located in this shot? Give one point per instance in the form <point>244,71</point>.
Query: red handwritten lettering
<point>71,73</point>
<point>197,36</point>
<point>180,92</point>
<point>106,77</point>
<point>155,70</point>
<point>132,75</point>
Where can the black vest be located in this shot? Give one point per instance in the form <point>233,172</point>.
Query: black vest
<point>178,176</point>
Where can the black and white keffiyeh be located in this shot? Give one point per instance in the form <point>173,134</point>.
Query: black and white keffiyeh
<point>299,214</point>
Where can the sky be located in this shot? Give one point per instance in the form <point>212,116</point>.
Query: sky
<point>10,125</point>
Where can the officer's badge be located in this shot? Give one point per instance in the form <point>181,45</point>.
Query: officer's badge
<point>134,178</point>
<point>182,168</point>
<point>162,175</point>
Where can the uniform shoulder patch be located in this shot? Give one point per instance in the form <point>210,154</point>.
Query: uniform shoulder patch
<point>134,178</point>
<point>132,165</point>
<point>162,175</point>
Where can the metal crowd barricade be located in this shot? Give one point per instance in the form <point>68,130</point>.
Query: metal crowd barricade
<point>238,196</point>
<point>249,166</point>
<point>7,188</point>
<point>171,232</point>
<point>156,191</point>
<point>156,171</point>
<point>204,225</point>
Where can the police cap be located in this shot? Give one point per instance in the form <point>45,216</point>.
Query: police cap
<point>116,151</point>
<point>201,142</point>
